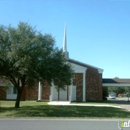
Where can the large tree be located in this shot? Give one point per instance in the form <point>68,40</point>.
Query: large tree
<point>27,56</point>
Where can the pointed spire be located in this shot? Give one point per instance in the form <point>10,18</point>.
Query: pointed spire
<point>65,44</point>
<point>64,40</point>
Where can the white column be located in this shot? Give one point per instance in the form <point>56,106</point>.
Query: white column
<point>84,87</point>
<point>39,91</point>
<point>51,91</point>
<point>71,91</point>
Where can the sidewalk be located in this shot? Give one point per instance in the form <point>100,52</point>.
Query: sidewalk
<point>67,103</point>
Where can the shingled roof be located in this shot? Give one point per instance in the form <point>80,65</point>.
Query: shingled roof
<point>83,64</point>
<point>115,80</point>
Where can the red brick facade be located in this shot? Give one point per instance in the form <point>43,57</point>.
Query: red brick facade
<point>2,93</point>
<point>45,92</point>
<point>32,93</point>
<point>78,82</point>
<point>93,85</point>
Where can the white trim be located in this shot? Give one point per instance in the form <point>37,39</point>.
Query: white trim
<point>71,92</point>
<point>116,84</point>
<point>84,87</point>
<point>51,94</point>
<point>85,64</point>
<point>39,91</point>
<point>5,85</point>
<point>100,71</point>
<point>77,68</point>
<point>51,91</point>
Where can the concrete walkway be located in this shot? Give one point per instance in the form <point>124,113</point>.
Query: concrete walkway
<point>67,103</point>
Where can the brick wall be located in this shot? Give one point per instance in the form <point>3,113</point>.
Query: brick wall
<point>93,85</point>
<point>45,92</point>
<point>2,93</point>
<point>29,93</point>
<point>32,93</point>
<point>78,82</point>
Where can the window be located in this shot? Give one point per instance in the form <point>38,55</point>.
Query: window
<point>14,90</point>
<point>11,90</point>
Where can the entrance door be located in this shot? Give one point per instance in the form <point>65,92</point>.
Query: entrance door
<point>61,95</point>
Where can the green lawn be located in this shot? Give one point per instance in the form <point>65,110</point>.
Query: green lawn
<point>41,109</point>
<point>22,103</point>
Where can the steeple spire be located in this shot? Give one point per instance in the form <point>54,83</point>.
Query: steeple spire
<point>65,44</point>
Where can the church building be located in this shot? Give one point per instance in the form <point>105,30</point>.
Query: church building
<point>86,85</point>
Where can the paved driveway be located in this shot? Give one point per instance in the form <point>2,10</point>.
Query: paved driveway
<point>122,101</point>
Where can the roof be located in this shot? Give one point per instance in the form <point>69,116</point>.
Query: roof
<point>4,82</point>
<point>115,80</point>
<point>83,64</point>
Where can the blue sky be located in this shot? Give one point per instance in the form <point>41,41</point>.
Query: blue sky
<point>98,31</point>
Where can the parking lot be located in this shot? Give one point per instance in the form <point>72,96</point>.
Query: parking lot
<point>122,101</point>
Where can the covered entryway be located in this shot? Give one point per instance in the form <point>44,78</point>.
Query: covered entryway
<point>63,95</point>
<point>116,83</point>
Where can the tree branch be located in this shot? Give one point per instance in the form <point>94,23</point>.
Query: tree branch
<point>12,79</point>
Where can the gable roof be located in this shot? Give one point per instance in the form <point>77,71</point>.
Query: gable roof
<point>83,64</point>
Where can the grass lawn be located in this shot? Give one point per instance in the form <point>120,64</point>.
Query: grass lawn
<point>41,109</point>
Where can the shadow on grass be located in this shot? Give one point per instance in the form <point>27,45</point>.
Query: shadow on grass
<point>65,111</point>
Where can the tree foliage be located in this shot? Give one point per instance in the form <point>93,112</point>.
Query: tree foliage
<point>28,56</point>
<point>117,90</point>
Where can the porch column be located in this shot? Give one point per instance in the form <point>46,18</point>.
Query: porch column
<point>39,91</point>
<point>51,91</point>
<point>71,92</point>
<point>84,87</point>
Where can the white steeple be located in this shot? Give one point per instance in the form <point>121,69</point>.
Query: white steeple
<point>65,44</point>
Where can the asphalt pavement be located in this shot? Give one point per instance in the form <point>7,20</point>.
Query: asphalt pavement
<point>122,101</point>
<point>58,124</point>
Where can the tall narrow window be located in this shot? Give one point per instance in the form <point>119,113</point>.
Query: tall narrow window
<point>14,90</point>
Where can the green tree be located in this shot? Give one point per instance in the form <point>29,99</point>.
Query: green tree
<point>117,90</point>
<point>27,56</point>
<point>120,90</point>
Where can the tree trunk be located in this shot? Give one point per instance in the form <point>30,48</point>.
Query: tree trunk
<point>17,103</point>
